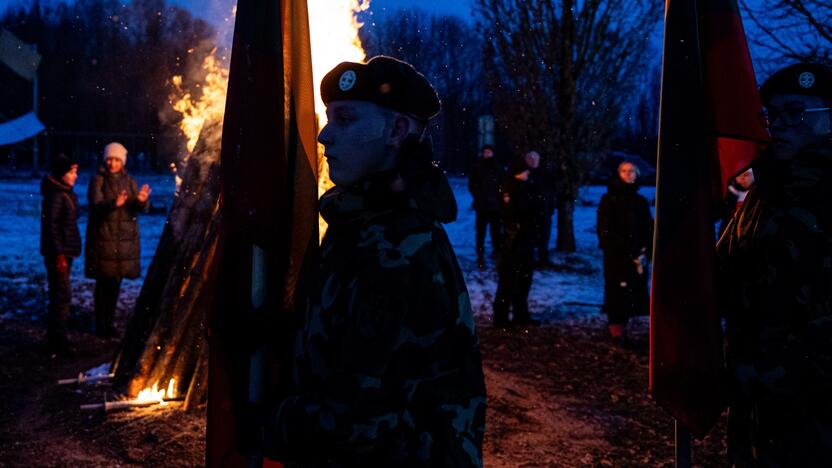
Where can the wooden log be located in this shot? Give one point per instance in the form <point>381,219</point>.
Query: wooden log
<point>165,338</point>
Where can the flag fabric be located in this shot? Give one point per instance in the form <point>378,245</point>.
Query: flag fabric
<point>22,58</point>
<point>709,131</point>
<point>19,129</point>
<point>269,234</point>
<point>730,88</point>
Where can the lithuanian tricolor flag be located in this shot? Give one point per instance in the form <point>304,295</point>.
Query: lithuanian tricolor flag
<point>269,197</point>
<point>709,132</point>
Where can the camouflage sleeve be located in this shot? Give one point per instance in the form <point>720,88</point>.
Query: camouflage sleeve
<point>391,349</point>
<point>793,357</point>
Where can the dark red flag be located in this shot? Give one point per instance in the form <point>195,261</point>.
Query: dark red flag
<point>269,197</point>
<point>709,131</point>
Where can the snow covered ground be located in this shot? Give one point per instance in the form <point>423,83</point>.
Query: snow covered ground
<point>22,274</point>
<point>573,289</point>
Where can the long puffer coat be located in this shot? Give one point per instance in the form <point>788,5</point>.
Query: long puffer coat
<point>112,247</point>
<point>625,231</point>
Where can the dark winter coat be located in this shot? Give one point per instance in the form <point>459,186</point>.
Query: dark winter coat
<point>59,233</point>
<point>387,365</point>
<point>775,264</point>
<point>625,231</point>
<point>484,184</point>
<point>545,187</point>
<point>731,203</point>
<point>520,211</point>
<point>112,249</point>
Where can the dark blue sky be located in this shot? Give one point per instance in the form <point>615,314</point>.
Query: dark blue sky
<point>216,10</point>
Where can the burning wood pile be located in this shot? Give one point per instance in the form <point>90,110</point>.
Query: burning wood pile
<point>164,353</point>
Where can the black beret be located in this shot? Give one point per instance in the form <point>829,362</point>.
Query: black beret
<point>62,164</point>
<point>811,79</point>
<point>385,81</point>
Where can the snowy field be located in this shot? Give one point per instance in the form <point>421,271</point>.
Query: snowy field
<point>573,289</point>
<point>21,265</point>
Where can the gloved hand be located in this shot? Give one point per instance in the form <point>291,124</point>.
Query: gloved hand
<point>61,265</point>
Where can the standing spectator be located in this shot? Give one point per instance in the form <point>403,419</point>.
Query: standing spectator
<point>625,234</point>
<point>521,205</point>
<point>737,191</point>
<point>112,250</point>
<point>484,185</point>
<point>543,221</point>
<point>60,243</point>
<point>775,261</point>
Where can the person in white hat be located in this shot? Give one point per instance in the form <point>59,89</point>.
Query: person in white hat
<point>112,247</point>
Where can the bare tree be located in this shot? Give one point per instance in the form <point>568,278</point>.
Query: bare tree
<point>561,72</point>
<point>795,30</point>
<point>448,51</point>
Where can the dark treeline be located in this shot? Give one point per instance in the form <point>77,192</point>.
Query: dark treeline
<point>105,74</point>
<point>448,51</point>
<point>511,64</point>
<point>460,59</point>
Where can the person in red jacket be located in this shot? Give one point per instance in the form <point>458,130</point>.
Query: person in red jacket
<point>60,243</point>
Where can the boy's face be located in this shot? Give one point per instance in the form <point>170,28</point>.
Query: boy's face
<point>789,133</point>
<point>114,165</point>
<point>745,180</point>
<point>356,140</point>
<point>70,177</point>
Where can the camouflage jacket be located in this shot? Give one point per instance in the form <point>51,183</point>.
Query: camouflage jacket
<point>387,366</point>
<point>775,261</point>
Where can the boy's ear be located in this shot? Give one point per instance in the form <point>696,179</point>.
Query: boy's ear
<point>401,129</point>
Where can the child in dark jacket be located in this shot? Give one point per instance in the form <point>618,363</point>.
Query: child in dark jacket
<point>60,243</point>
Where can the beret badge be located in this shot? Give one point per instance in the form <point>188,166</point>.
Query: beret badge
<point>347,80</point>
<point>806,80</point>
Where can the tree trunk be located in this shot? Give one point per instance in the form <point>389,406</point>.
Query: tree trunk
<point>566,232</point>
<point>165,338</point>
<point>568,186</point>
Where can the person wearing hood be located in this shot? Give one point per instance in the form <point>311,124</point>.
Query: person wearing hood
<point>112,248</point>
<point>60,243</point>
<point>625,235</point>
<point>775,266</point>
<point>521,206</point>
<point>484,185</point>
<point>387,368</point>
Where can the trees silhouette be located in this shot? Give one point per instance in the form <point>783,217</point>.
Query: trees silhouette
<point>562,73</point>
<point>106,69</point>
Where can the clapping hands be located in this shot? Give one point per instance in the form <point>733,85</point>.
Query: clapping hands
<point>143,193</point>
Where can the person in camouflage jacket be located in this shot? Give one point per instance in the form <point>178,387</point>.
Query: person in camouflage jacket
<point>775,259</point>
<point>387,367</point>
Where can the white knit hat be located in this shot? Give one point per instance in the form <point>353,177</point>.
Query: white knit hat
<point>115,150</point>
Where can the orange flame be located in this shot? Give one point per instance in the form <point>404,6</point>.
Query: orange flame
<point>153,394</point>
<point>334,39</point>
<point>334,36</point>
<point>209,106</point>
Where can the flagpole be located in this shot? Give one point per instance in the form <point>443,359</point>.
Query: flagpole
<point>683,446</point>
<point>35,149</point>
